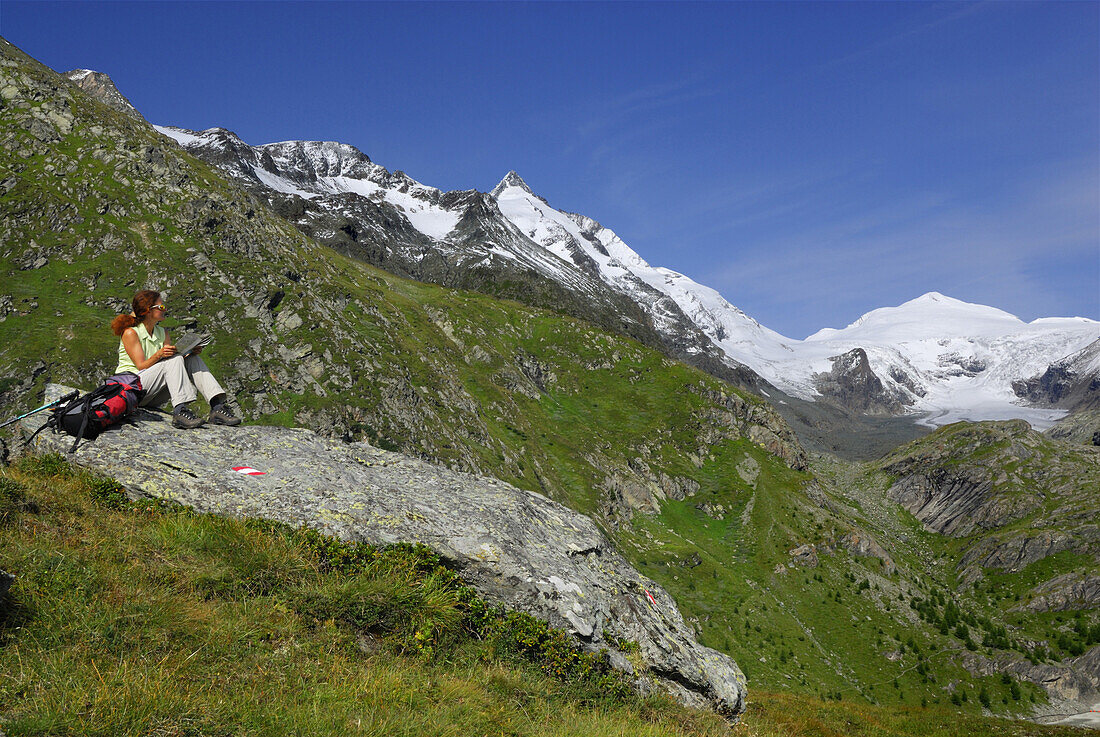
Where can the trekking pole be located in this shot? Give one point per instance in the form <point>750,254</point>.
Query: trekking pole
<point>68,397</point>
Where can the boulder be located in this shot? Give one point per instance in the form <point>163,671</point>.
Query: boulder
<point>515,547</point>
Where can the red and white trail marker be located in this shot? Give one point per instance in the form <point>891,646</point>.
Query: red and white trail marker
<point>650,597</point>
<point>248,471</point>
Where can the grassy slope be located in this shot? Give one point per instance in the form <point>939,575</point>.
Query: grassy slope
<point>847,628</point>
<point>1055,485</point>
<point>133,619</point>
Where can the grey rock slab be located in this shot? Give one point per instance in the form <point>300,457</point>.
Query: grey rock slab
<point>517,548</point>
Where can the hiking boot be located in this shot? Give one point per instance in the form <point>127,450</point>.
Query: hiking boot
<point>184,418</point>
<point>220,415</point>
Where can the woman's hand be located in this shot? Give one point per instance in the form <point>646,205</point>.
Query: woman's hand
<point>167,351</point>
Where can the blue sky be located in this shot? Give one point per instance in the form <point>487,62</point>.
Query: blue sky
<point>811,161</point>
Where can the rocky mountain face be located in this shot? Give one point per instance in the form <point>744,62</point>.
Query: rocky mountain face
<point>854,385</point>
<point>102,87</point>
<point>1072,383</point>
<point>336,195</point>
<point>517,548</point>
<point>1013,495</point>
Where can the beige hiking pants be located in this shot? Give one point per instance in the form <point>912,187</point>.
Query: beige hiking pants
<point>176,378</point>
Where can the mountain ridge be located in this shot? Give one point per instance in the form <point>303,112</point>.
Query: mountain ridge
<point>699,325</point>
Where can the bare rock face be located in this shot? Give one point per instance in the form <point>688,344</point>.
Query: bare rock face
<point>516,548</point>
<point>853,385</point>
<point>1066,593</point>
<point>1072,383</point>
<point>1081,426</point>
<point>100,86</point>
<point>955,497</point>
<point>1015,496</point>
<point>1073,683</point>
<point>951,503</point>
<point>982,476</point>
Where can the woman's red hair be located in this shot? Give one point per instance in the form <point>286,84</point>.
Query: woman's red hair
<point>143,302</point>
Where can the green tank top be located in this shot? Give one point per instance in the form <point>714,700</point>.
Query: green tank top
<point>150,344</point>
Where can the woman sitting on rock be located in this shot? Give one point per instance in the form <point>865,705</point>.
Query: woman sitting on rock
<point>145,349</point>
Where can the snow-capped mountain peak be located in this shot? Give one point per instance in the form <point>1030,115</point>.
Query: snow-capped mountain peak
<point>511,180</point>
<point>952,359</point>
<point>322,159</point>
<point>931,315</point>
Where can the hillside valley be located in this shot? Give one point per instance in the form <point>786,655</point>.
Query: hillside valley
<point>958,571</point>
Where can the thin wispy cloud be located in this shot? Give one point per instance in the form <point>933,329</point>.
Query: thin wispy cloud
<point>943,14</point>
<point>611,114</point>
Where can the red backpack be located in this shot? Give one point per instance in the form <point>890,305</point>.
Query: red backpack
<point>91,414</point>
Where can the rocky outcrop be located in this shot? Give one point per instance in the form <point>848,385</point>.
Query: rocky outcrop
<point>100,86</point>
<point>862,544</point>
<point>759,422</point>
<point>1071,383</point>
<point>1073,685</point>
<point>1019,549</point>
<point>1070,592</point>
<point>855,542</point>
<point>515,547</point>
<point>853,385</point>
<point>1082,426</point>
<point>951,503</point>
<point>1019,496</point>
<point>944,489</point>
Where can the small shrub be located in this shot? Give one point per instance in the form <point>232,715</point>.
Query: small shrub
<point>12,496</point>
<point>407,592</point>
<point>52,465</point>
<point>106,491</point>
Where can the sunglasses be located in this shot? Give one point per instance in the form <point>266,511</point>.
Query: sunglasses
<point>162,308</point>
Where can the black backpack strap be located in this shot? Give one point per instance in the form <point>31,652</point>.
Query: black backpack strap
<point>34,434</point>
<point>87,410</point>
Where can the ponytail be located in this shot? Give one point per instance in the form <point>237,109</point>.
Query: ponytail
<point>143,302</point>
<point>122,323</point>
